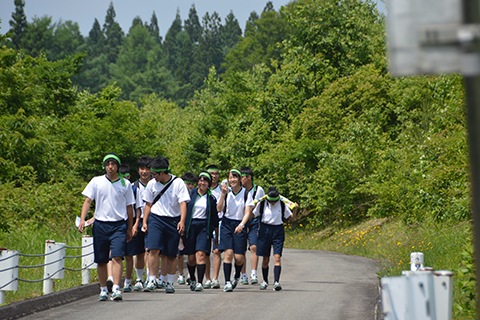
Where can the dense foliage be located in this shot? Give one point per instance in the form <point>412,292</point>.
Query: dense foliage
<point>304,98</point>
<point>320,118</point>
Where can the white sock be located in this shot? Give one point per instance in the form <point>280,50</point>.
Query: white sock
<point>104,289</point>
<point>254,272</point>
<point>110,278</point>
<point>152,278</point>
<point>139,274</point>
<point>115,287</point>
<point>244,275</point>
<point>170,277</point>
<point>148,271</point>
<point>128,281</point>
<point>162,278</point>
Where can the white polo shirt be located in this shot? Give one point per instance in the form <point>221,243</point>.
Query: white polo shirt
<point>169,204</point>
<point>236,204</point>
<point>260,193</point>
<point>217,192</point>
<point>111,198</point>
<point>140,191</point>
<point>272,214</point>
<point>200,207</point>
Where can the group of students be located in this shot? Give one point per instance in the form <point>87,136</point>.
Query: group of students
<point>163,216</point>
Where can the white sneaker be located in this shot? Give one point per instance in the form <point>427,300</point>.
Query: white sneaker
<point>207,284</point>
<point>181,279</point>
<point>103,296</point>
<point>263,285</point>
<point>198,287</point>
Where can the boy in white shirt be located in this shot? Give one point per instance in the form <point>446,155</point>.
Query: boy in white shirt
<point>257,193</point>
<point>112,229</point>
<point>165,211</point>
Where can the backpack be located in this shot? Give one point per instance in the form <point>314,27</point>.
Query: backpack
<point>262,209</point>
<point>134,188</point>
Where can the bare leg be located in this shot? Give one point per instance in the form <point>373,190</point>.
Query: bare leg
<point>217,262</point>
<point>153,262</point>
<point>102,274</point>
<point>207,267</point>
<point>117,269</point>
<point>128,267</point>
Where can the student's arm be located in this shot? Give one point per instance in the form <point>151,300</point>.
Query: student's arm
<point>83,215</point>
<point>130,222</point>
<point>183,217</point>
<point>221,201</point>
<point>294,213</point>
<point>146,213</point>
<point>247,216</point>
<point>137,222</point>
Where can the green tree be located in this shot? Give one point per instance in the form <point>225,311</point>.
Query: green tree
<point>18,23</point>
<point>39,37</point>
<point>230,33</point>
<point>184,71</point>
<point>140,69</point>
<point>67,40</point>
<point>192,25</point>
<point>136,21</point>
<point>113,35</point>
<point>95,75</point>
<point>154,28</point>
<point>333,38</point>
<point>209,50</point>
<point>95,40</point>
<point>170,45</point>
<point>262,42</point>
<point>36,95</point>
<point>250,26</point>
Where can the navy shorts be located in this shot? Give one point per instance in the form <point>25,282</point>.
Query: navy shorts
<point>252,231</point>
<point>231,240</point>
<point>268,236</point>
<point>163,234</point>
<point>140,239</point>
<point>137,244</point>
<point>198,239</point>
<point>109,240</point>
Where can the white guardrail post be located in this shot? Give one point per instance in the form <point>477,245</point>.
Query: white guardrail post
<point>420,294</point>
<point>8,272</point>
<point>87,258</point>
<point>54,264</point>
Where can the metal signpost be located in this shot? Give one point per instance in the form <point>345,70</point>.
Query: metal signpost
<point>443,36</point>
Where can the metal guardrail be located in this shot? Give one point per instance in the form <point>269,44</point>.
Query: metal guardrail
<point>54,265</point>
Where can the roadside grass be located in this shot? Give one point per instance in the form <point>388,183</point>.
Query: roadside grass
<point>390,243</point>
<point>31,240</point>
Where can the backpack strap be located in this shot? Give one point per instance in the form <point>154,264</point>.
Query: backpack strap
<point>163,191</point>
<point>262,209</point>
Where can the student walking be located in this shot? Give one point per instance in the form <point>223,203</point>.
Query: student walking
<point>144,172</point>
<point>271,233</point>
<point>112,229</point>
<point>202,219</point>
<point>190,180</point>
<point>165,211</point>
<point>214,171</point>
<point>257,192</point>
<point>236,205</point>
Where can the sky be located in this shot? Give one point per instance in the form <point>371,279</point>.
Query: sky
<point>85,11</point>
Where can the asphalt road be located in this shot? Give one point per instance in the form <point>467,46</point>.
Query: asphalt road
<point>316,285</point>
